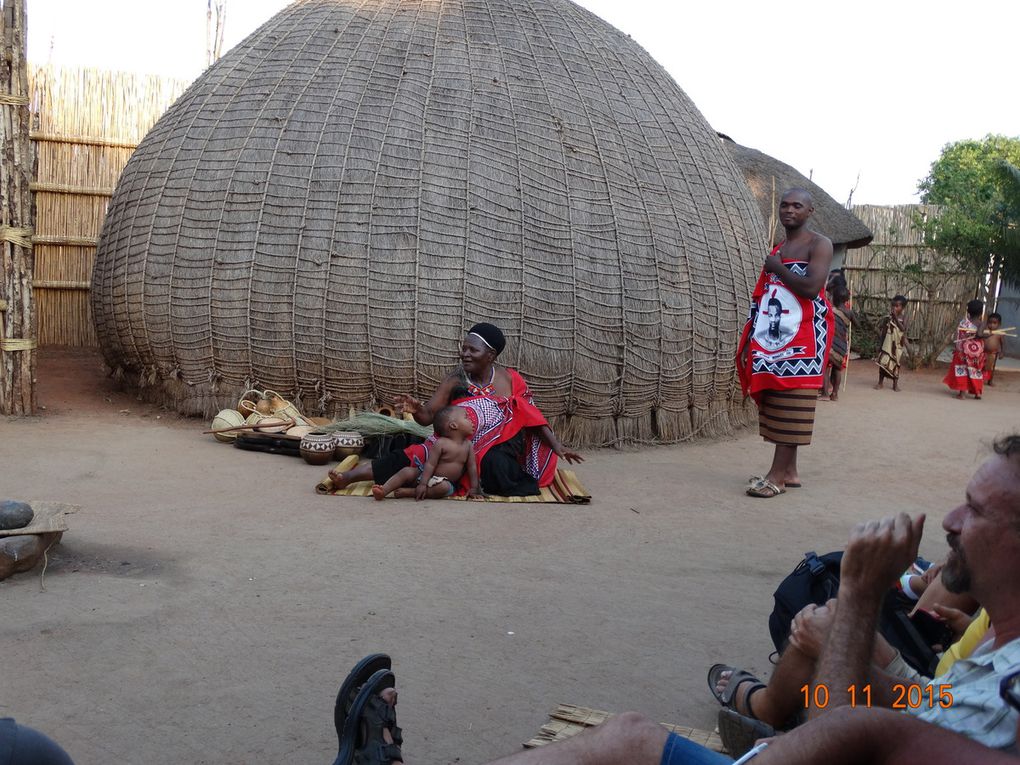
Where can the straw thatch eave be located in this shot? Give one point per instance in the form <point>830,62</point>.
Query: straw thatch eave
<point>767,178</point>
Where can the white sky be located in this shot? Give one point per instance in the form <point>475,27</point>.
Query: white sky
<point>872,88</point>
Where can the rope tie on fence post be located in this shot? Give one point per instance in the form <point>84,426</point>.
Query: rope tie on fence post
<point>22,237</point>
<point>13,100</point>
<point>13,344</point>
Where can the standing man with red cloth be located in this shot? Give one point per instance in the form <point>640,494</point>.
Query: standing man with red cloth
<point>784,348</point>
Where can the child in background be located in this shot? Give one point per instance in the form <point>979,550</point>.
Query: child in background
<point>995,346</point>
<point>840,298</point>
<point>967,371</point>
<point>892,341</point>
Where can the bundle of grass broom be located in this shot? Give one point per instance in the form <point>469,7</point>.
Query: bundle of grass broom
<point>371,424</point>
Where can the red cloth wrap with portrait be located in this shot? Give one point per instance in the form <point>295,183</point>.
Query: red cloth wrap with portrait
<point>788,337</point>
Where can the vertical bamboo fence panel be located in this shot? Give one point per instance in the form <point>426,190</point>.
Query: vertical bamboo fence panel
<point>87,123</point>
<point>17,326</point>
<point>898,262</point>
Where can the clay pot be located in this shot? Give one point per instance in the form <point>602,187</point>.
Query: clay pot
<point>348,444</point>
<point>227,418</point>
<point>318,448</point>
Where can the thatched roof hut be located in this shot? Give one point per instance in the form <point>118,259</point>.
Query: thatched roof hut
<point>768,178</point>
<point>327,207</point>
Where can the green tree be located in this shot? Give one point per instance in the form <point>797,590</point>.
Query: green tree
<point>975,185</point>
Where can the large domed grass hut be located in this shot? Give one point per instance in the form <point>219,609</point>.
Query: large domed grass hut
<point>768,178</point>
<point>326,209</point>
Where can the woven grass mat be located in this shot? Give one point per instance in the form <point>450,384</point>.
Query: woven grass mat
<point>49,516</point>
<point>568,720</point>
<point>565,489</point>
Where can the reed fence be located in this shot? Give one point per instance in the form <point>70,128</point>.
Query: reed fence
<point>898,262</point>
<point>85,125</point>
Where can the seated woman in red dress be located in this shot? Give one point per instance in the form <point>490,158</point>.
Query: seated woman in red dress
<point>517,451</point>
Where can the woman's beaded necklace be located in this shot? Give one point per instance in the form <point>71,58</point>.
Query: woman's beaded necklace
<point>482,390</point>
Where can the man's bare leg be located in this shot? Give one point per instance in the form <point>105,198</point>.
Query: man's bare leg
<point>837,379</point>
<point>784,466</point>
<point>782,698</point>
<point>627,739</point>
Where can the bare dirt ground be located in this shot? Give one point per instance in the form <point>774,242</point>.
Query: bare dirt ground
<point>206,603</point>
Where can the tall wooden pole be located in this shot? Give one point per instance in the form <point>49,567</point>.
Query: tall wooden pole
<point>17,220</point>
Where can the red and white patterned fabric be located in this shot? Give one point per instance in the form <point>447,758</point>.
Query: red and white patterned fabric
<point>498,419</point>
<point>967,372</point>
<point>789,337</point>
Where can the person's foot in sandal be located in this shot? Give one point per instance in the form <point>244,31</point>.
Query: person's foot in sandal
<point>380,737</point>
<point>352,684</point>
<point>765,489</point>
<point>791,482</point>
<point>366,722</point>
<point>733,688</point>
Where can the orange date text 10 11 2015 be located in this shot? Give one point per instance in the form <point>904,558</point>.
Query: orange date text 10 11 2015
<point>903,696</point>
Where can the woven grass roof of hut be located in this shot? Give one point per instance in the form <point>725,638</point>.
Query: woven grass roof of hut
<point>327,208</point>
<point>767,178</point>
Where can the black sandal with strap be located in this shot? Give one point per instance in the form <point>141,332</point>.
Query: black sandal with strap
<point>357,677</point>
<point>728,698</point>
<point>379,716</point>
<point>361,736</point>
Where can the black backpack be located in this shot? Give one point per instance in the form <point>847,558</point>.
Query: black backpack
<point>816,580</point>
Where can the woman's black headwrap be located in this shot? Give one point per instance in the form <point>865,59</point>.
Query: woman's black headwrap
<point>489,334</point>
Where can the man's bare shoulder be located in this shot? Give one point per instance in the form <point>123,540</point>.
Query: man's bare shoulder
<point>820,244</point>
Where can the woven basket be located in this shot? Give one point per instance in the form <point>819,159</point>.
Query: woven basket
<point>281,407</point>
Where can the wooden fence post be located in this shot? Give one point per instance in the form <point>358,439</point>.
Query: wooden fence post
<point>17,220</point>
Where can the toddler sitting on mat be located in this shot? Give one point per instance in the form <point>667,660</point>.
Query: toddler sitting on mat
<point>410,473</point>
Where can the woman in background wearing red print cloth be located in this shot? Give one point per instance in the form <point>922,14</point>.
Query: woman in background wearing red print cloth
<point>967,371</point>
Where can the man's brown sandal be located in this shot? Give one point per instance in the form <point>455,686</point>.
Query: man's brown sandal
<point>765,489</point>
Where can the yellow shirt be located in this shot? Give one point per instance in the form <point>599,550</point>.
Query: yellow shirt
<point>965,646</point>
